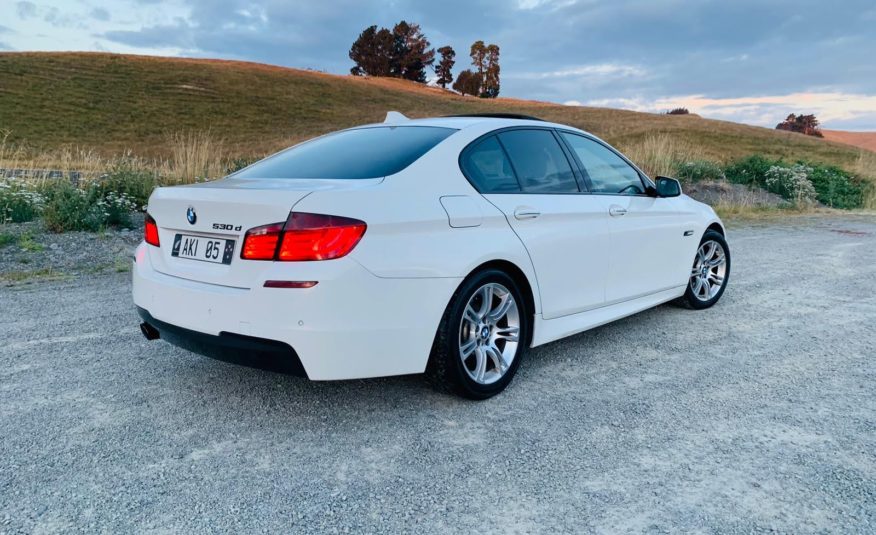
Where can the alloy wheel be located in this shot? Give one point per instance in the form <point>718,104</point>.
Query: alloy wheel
<point>709,271</point>
<point>489,333</point>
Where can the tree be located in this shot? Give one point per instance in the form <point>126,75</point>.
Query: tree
<point>485,60</point>
<point>411,52</point>
<point>479,57</point>
<point>678,111</point>
<point>803,124</point>
<point>444,67</point>
<point>468,83</point>
<point>372,52</point>
<point>401,53</point>
<point>490,83</point>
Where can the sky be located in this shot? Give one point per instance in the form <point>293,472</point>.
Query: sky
<point>751,61</point>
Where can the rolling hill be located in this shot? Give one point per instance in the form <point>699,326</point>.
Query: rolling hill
<point>864,140</point>
<point>111,103</point>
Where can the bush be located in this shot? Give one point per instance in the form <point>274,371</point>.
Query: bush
<point>833,186</point>
<point>750,171</point>
<point>836,188</point>
<point>792,183</point>
<point>72,208</point>
<point>678,111</point>
<point>698,170</point>
<point>18,202</point>
<point>126,178</point>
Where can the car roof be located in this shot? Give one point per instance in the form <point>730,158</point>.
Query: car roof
<point>460,122</point>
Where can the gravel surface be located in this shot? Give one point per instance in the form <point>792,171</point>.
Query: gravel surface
<point>757,414</point>
<point>29,253</point>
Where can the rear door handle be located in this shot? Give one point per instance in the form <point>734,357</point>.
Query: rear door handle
<point>526,212</point>
<point>616,211</point>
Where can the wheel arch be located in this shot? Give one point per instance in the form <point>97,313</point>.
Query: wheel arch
<point>717,227</point>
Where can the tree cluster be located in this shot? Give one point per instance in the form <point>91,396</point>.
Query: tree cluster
<point>678,111</point>
<point>404,52</point>
<point>483,81</point>
<point>803,124</point>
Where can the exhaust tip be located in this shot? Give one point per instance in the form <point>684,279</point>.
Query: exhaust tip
<point>149,332</point>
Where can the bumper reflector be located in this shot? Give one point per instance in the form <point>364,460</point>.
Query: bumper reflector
<point>290,284</point>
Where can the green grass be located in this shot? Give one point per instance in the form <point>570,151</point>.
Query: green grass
<point>7,239</point>
<point>27,242</point>
<point>44,274</point>
<point>111,103</point>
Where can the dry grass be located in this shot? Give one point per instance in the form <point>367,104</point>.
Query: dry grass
<point>658,154</point>
<point>194,155</point>
<point>865,167</point>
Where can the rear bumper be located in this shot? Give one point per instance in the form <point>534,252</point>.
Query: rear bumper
<point>228,347</point>
<point>351,325</point>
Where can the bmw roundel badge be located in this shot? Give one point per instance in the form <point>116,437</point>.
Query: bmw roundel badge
<point>191,215</point>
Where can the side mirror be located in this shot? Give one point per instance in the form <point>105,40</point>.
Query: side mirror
<point>667,187</point>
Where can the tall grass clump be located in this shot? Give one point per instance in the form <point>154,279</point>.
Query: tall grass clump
<point>195,156</point>
<point>659,154</point>
<point>865,167</point>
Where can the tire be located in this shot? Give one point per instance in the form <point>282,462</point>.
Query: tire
<point>698,296</point>
<point>463,324</point>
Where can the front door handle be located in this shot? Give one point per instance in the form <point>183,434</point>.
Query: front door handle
<point>616,211</point>
<point>526,212</point>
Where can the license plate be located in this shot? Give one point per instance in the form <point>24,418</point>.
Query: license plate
<point>217,251</point>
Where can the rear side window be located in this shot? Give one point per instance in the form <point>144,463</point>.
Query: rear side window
<point>539,162</point>
<point>608,172</point>
<point>351,154</point>
<point>489,169</point>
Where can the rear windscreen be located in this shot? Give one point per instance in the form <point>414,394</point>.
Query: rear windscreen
<point>351,154</point>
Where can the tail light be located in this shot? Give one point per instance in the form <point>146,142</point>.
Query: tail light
<point>303,237</point>
<point>150,231</point>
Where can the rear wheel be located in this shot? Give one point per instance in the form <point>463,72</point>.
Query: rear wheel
<point>481,338</point>
<point>709,273</point>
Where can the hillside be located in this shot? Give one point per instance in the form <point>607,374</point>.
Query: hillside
<point>864,140</point>
<point>112,103</point>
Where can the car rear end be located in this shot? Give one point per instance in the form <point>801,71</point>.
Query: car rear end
<point>230,269</point>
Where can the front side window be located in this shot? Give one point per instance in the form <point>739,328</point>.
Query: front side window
<point>488,168</point>
<point>608,172</point>
<point>539,162</point>
<point>351,154</point>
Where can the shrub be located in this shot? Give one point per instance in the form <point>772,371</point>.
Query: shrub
<point>750,171</point>
<point>678,111</point>
<point>792,183</point>
<point>836,188</point>
<point>72,208</point>
<point>698,170</point>
<point>127,178</point>
<point>18,202</point>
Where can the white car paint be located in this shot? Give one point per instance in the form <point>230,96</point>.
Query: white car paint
<point>375,311</point>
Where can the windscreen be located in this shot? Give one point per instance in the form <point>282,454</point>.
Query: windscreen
<point>351,154</point>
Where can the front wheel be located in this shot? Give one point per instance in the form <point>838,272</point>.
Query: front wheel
<point>709,273</point>
<point>481,338</point>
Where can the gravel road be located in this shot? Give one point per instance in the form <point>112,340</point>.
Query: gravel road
<point>757,414</point>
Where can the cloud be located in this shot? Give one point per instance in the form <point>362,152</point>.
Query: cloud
<point>26,9</point>
<point>607,70</point>
<point>5,46</point>
<point>100,14</point>
<point>829,107</point>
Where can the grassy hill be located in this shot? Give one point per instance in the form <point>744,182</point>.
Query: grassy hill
<point>111,103</point>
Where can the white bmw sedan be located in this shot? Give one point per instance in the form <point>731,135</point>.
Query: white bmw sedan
<point>443,246</point>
